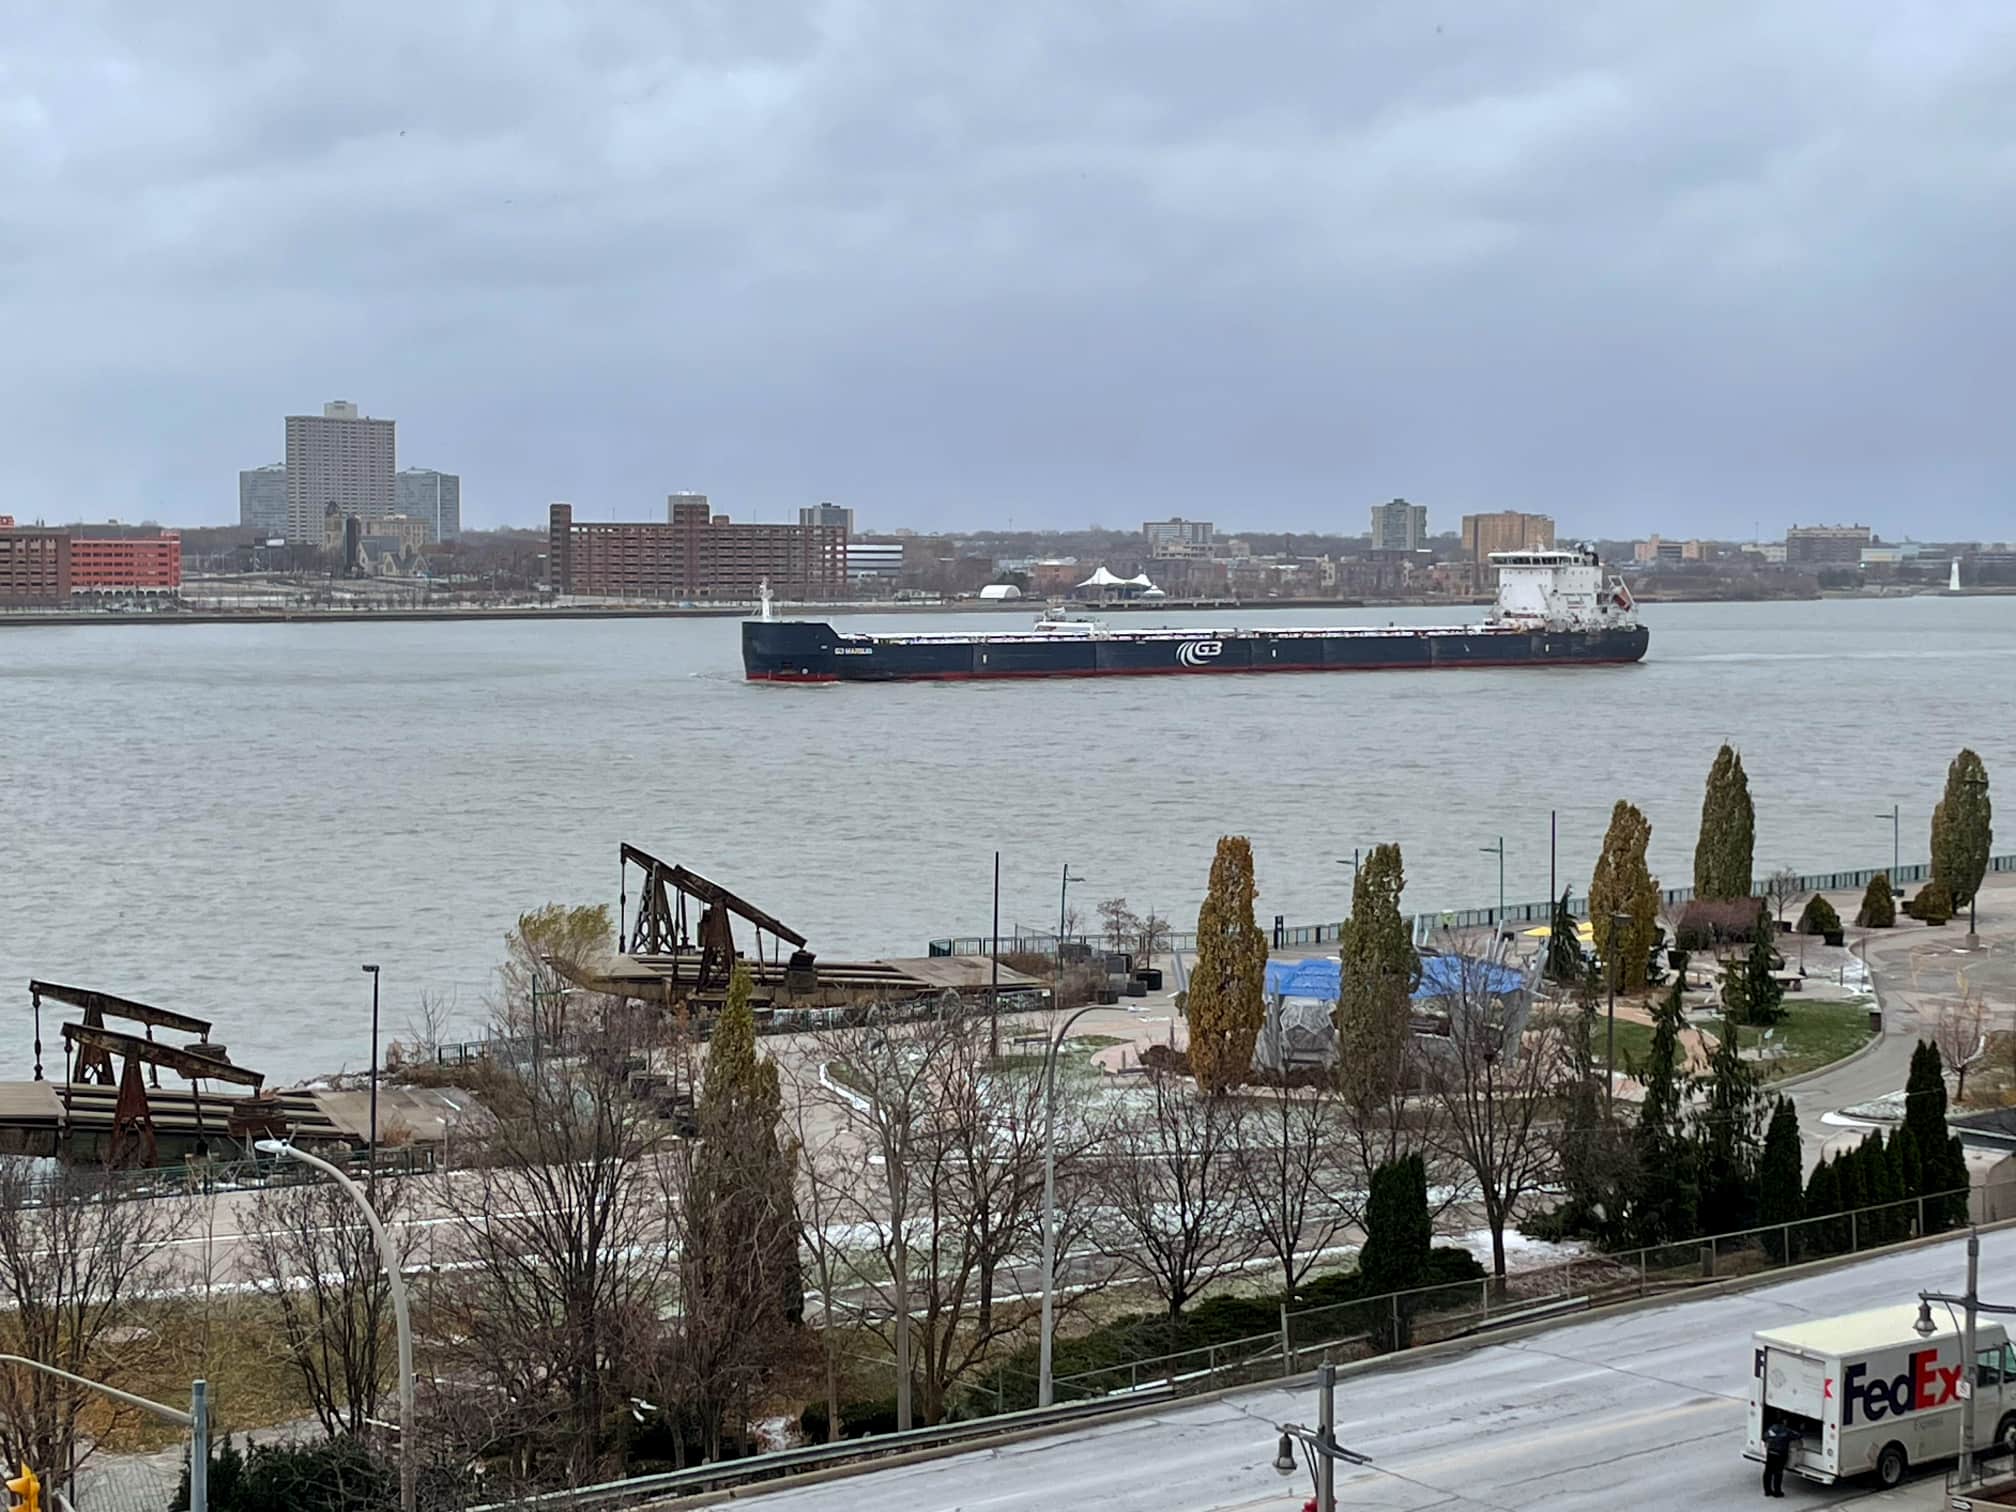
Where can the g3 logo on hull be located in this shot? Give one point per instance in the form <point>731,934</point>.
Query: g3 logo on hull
<point>1198,653</point>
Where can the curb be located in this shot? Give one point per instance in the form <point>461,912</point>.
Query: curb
<point>1408,1360</point>
<point>1876,1042</point>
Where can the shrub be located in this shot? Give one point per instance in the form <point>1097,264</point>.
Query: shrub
<point>321,1475</point>
<point>1933,904</point>
<point>858,1418</point>
<point>1706,923</point>
<point>1165,1061</point>
<point>1879,904</point>
<point>1218,1320</point>
<point>1819,917</point>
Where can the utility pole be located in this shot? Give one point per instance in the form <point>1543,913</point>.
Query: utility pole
<point>994,983</point>
<point>374,1075</point>
<point>196,1420</point>
<point>1553,843</point>
<point>1970,1376</point>
<point>1610,1031</point>
<point>1498,919</point>
<point>1319,1445</point>
<point>1896,818</point>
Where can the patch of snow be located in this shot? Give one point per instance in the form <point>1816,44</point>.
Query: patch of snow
<point>1889,1108</point>
<point>1522,1251</point>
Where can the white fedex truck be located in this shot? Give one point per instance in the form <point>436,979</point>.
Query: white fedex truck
<point>1867,1392</point>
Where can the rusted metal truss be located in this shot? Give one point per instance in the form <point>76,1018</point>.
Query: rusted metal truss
<point>89,1049</point>
<point>663,927</point>
<point>93,1064</point>
<point>192,1064</point>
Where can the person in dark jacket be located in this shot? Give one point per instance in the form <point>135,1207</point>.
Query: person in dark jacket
<point>1778,1441</point>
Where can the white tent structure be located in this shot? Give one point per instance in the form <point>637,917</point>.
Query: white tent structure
<point>996,592</point>
<point>1103,579</point>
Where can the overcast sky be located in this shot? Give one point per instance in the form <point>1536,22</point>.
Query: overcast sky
<point>1674,265</point>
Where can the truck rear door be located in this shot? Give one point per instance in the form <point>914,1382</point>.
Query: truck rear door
<point>1795,1389</point>
<point>1795,1384</point>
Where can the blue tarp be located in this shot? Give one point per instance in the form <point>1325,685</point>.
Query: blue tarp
<point>1441,976</point>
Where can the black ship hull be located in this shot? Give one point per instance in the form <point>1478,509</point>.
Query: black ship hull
<point>812,651</point>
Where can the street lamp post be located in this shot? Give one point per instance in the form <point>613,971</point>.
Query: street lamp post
<point>1979,784</point>
<point>1610,1032</point>
<point>1972,1303</point>
<point>1896,818</point>
<point>196,1420</point>
<point>1044,1386</point>
<point>1063,894</point>
<point>1319,1444</point>
<point>374,1071</point>
<point>1498,919</point>
<point>395,1282</point>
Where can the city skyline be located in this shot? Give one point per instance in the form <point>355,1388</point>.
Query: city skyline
<point>1264,265</point>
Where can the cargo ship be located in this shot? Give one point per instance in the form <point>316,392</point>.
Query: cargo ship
<point>1555,608</point>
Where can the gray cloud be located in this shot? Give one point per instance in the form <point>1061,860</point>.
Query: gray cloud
<point>1659,265</point>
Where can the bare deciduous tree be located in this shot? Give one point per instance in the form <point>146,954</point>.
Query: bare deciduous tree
<point>568,1244</point>
<point>73,1255</point>
<point>1494,1076</point>
<point>953,1195</point>
<point>1291,1156</point>
<point>311,1249</point>
<point>1782,887</point>
<point>1180,1211</point>
<point>1959,1029</point>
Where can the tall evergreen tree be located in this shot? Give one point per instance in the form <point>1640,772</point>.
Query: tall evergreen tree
<point>1943,1176</point>
<point>1885,1221</point>
<point>1848,1177</point>
<point>740,1266</point>
<point>1727,1121</point>
<point>1398,1235</point>
<point>1925,1117</point>
<point>1823,1200</point>
<point>1665,1204</point>
<point>1779,1197</point>
<point>1906,1163</point>
<point>1596,1173</point>
<point>1723,855</point>
<point>1564,945</point>
<point>1623,890</point>
<point>1751,992</point>
<point>1379,970</point>
<point>1962,829</point>
<point>1227,1002</point>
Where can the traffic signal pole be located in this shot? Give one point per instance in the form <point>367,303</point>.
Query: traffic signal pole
<point>196,1420</point>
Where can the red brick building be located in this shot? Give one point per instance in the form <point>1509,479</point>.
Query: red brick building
<point>34,566</point>
<point>693,555</point>
<point>126,564</point>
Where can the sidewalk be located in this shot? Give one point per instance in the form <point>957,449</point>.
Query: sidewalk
<point>1916,969</point>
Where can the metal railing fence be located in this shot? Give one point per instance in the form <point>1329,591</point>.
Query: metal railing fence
<point>1284,934</point>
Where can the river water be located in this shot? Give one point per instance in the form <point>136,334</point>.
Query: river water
<point>227,820</point>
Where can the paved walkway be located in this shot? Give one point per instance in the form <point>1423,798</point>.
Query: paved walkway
<point>1917,969</point>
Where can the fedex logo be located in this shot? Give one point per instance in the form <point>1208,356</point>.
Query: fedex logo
<point>1925,1384</point>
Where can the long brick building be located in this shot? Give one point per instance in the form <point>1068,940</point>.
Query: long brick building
<point>34,566</point>
<point>694,555</point>
<point>126,564</point>
<point>44,568</point>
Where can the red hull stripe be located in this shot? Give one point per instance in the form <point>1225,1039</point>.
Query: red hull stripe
<point>827,677</point>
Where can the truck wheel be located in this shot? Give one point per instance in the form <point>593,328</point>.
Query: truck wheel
<point>2005,1431</point>
<point>1890,1465</point>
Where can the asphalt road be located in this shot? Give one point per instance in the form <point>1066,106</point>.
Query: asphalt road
<point>1645,1409</point>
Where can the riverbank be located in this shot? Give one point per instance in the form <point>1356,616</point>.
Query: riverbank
<point>455,613</point>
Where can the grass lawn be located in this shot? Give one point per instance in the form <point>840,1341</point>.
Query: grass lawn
<point>1634,1042</point>
<point>1811,1035</point>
